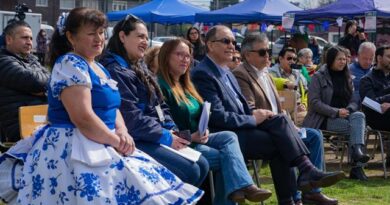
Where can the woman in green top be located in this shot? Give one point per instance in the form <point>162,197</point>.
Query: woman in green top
<point>221,149</point>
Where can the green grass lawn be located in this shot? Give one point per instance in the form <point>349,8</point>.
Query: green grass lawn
<point>375,191</point>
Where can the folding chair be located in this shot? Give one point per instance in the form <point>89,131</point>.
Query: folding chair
<point>339,143</point>
<point>380,136</point>
<point>256,169</point>
<point>30,117</point>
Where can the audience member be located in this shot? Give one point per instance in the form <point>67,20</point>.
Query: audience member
<point>315,48</point>
<point>193,36</point>
<point>333,107</point>
<point>22,78</point>
<point>41,46</point>
<point>376,86</point>
<point>236,60</point>
<point>352,38</point>
<point>260,92</point>
<point>85,154</point>
<point>151,59</point>
<point>261,133</point>
<point>145,113</point>
<point>221,149</point>
<point>362,66</point>
<point>284,69</point>
<point>305,58</point>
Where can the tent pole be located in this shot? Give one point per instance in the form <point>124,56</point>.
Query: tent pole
<point>339,34</point>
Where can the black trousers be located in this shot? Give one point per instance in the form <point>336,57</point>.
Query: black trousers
<point>276,140</point>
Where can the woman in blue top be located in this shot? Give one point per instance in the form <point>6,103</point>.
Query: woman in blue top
<point>85,155</point>
<point>144,111</point>
<point>221,148</point>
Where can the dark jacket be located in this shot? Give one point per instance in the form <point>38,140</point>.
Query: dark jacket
<point>138,111</point>
<point>225,112</point>
<point>22,82</point>
<point>320,96</point>
<point>352,43</point>
<point>376,86</point>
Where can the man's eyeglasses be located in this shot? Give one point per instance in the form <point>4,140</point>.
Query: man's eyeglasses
<point>236,58</point>
<point>291,58</point>
<point>127,18</point>
<point>262,52</point>
<point>226,41</point>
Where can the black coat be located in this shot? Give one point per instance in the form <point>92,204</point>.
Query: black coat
<point>22,82</point>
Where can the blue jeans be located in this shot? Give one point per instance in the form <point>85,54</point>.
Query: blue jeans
<point>223,153</point>
<point>314,142</point>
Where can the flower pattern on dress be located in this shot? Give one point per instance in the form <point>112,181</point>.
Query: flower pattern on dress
<point>63,197</point>
<point>166,174</point>
<point>118,165</point>
<point>58,86</point>
<point>37,186</point>
<point>126,195</point>
<point>52,164</point>
<point>34,162</point>
<point>88,185</point>
<point>51,139</point>
<point>53,184</point>
<point>150,175</point>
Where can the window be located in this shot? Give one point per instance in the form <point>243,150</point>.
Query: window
<point>67,4</point>
<point>119,5</point>
<point>93,4</point>
<point>42,3</point>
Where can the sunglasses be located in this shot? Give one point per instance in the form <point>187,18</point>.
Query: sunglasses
<point>236,58</point>
<point>127,18</point>
<point>291,58</point>
<point>262,52</point>
<point>226,41</point>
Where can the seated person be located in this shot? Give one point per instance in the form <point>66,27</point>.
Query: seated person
<point>261,133</point>
<point>151,59</point>
<point>362,66</point>
<point>23,79</point>
<point>376,86</point>
<point>221,149</point>
<point>236,60</point>
<point>288,69</point>
<point>146,115</point>
<point>305,58</point>
<point>260,93</point>
<point>334,108</point>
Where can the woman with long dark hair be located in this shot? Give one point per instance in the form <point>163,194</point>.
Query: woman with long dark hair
<point>199,48</point>
<point>332,106</point>
<point>145,113</point>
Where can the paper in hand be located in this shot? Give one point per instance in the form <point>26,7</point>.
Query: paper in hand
<point>204,118</point>
<point>368,102</point>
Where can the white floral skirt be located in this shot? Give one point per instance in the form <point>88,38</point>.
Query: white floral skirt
<point>64,167</point>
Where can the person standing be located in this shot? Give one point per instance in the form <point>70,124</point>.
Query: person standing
<point>352,38</point>
<point>41,46</point>
<point>193,36</point>
<point>23,79</point>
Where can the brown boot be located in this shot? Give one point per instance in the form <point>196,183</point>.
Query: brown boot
<point>252,193</point>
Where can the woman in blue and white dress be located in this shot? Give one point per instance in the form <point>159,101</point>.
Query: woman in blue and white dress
<point>85,155</point>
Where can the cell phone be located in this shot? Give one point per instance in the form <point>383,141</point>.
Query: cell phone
<point>184,134</point>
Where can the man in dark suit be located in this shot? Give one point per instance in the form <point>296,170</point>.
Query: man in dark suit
<point>262,134</point>
<point>259,90</point>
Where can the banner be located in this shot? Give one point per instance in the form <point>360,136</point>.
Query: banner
<point>288,21</point>
<point>370,22</point>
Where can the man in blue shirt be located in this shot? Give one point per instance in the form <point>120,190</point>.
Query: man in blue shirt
<point>362,66</point>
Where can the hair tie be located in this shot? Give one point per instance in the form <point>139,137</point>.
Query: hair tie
<point>61,23</point>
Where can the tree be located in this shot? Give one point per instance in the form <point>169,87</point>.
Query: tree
<point>325,2</point>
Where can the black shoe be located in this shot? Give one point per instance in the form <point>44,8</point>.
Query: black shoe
<point>358,155</point>
<point>358,173</point>
<point>315,179</point>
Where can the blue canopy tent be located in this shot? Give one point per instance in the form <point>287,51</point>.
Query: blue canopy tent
<point>248,11</point>
<point>160,11</point>
<point>345,8</point>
